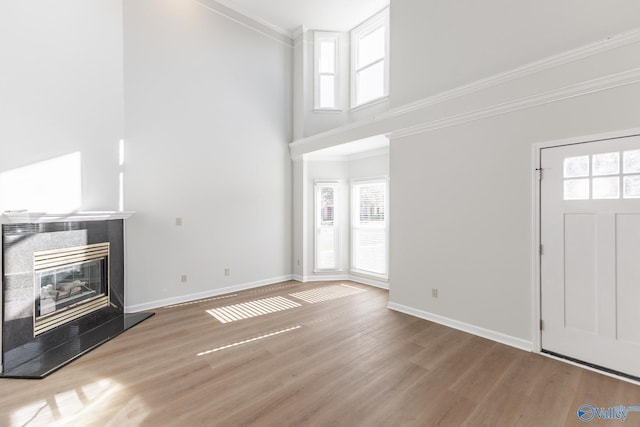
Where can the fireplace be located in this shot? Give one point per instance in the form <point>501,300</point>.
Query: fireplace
<point>69,283</point>
<point>63,289</point>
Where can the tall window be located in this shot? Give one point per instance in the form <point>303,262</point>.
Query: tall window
<point>369,59</point>
<point>369,227</point>
<point>326,71</point>
<point>326,236</point>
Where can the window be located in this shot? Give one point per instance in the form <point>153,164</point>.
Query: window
<point>370,66</point>
<point>602,176</point>
<point>326,242</point>
<point>369,227</point>
<point>326,71</point>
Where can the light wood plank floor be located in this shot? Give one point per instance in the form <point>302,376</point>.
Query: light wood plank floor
<point>347,361</point>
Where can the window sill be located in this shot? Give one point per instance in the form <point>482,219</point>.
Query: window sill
<point>371,103</point>
<point>327,110</point>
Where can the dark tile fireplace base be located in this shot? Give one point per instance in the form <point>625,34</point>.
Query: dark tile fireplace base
<point>55,358</point>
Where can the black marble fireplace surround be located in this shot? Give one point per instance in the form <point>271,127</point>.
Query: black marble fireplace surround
<point>27,356</point>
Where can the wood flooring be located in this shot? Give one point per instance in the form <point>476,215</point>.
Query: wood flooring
<point>338,359</point>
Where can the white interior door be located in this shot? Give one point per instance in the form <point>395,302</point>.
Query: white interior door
<point>590,262</point>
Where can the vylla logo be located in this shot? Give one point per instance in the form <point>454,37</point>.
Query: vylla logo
<point>585,413</point>
<point>588,412</point>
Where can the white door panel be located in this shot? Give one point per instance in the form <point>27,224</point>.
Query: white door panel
<point>590,268</point>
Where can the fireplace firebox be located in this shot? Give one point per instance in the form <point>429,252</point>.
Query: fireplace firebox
<point>69,283</point>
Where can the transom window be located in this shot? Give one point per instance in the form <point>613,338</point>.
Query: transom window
<point>326,71</point>
<point>612,175</point>
<point>369,58</point>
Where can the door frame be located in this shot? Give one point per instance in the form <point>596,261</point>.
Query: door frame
<point>536,282</point>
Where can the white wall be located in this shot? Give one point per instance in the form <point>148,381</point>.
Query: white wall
<point>439,45</point>
<point>60,93</point>
<point>208,118</point>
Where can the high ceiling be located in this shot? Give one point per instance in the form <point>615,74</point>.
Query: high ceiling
<point>288,15</point>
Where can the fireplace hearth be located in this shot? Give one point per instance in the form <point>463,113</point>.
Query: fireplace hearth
<point>62,289</point>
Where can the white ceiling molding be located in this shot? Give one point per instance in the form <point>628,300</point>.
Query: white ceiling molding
<point>553,61</point>
<point>327,15</point>
<point>230,11</point>
<point>584,88</point>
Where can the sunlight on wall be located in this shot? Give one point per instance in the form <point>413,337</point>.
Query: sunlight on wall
<point>121,175</point>
<point>50,186</point>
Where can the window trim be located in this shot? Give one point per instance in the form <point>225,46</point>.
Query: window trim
<point>318,184</point>
<point>380,19</point>
<point>354,210</point>
<point>319,37</point>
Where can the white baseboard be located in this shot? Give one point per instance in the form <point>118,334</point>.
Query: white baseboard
<point>206,294</point>
<point>325,277</point>
<point>350,277</point>
<point>376,283</point>
<point>465,327</point>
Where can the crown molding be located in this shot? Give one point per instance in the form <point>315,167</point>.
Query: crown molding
<point>544,64</point>
<point>231,11</point>
<point>298,32</point>
<point>584,88</point>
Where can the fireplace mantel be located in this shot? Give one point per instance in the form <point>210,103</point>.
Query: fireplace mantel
<point>21,217</point>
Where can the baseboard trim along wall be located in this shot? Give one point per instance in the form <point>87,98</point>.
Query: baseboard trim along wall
<point>376,283</point>
<point>206,294</point>
<point>464,327</point>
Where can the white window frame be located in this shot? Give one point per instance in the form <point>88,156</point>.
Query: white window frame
<point>318,185</point>
<point>354,225</point>
<point>381,19</point>
<point>322,37</point>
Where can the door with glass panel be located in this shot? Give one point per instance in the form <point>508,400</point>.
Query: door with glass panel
<point>590,254</point>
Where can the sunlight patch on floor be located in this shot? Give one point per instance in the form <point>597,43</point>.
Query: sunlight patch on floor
<point>245,310</point>
<point>224,347</point>
<point>327,293</point>
<point>67,407</point>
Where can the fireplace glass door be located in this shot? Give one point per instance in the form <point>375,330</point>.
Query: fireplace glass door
<point>70,285</point>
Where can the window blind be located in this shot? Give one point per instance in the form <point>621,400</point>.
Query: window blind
<point>369,227</point>
<point>326,241</point>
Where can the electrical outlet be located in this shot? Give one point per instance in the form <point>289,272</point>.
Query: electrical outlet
<point>227,272</point>
<point>178,221</point>
<point>183,278</point>
<point>434,292</point>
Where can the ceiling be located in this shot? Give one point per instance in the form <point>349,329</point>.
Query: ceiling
<point>287,15</point>
<point>344,151</point>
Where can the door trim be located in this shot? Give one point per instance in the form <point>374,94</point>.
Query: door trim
<point>536,280</point>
